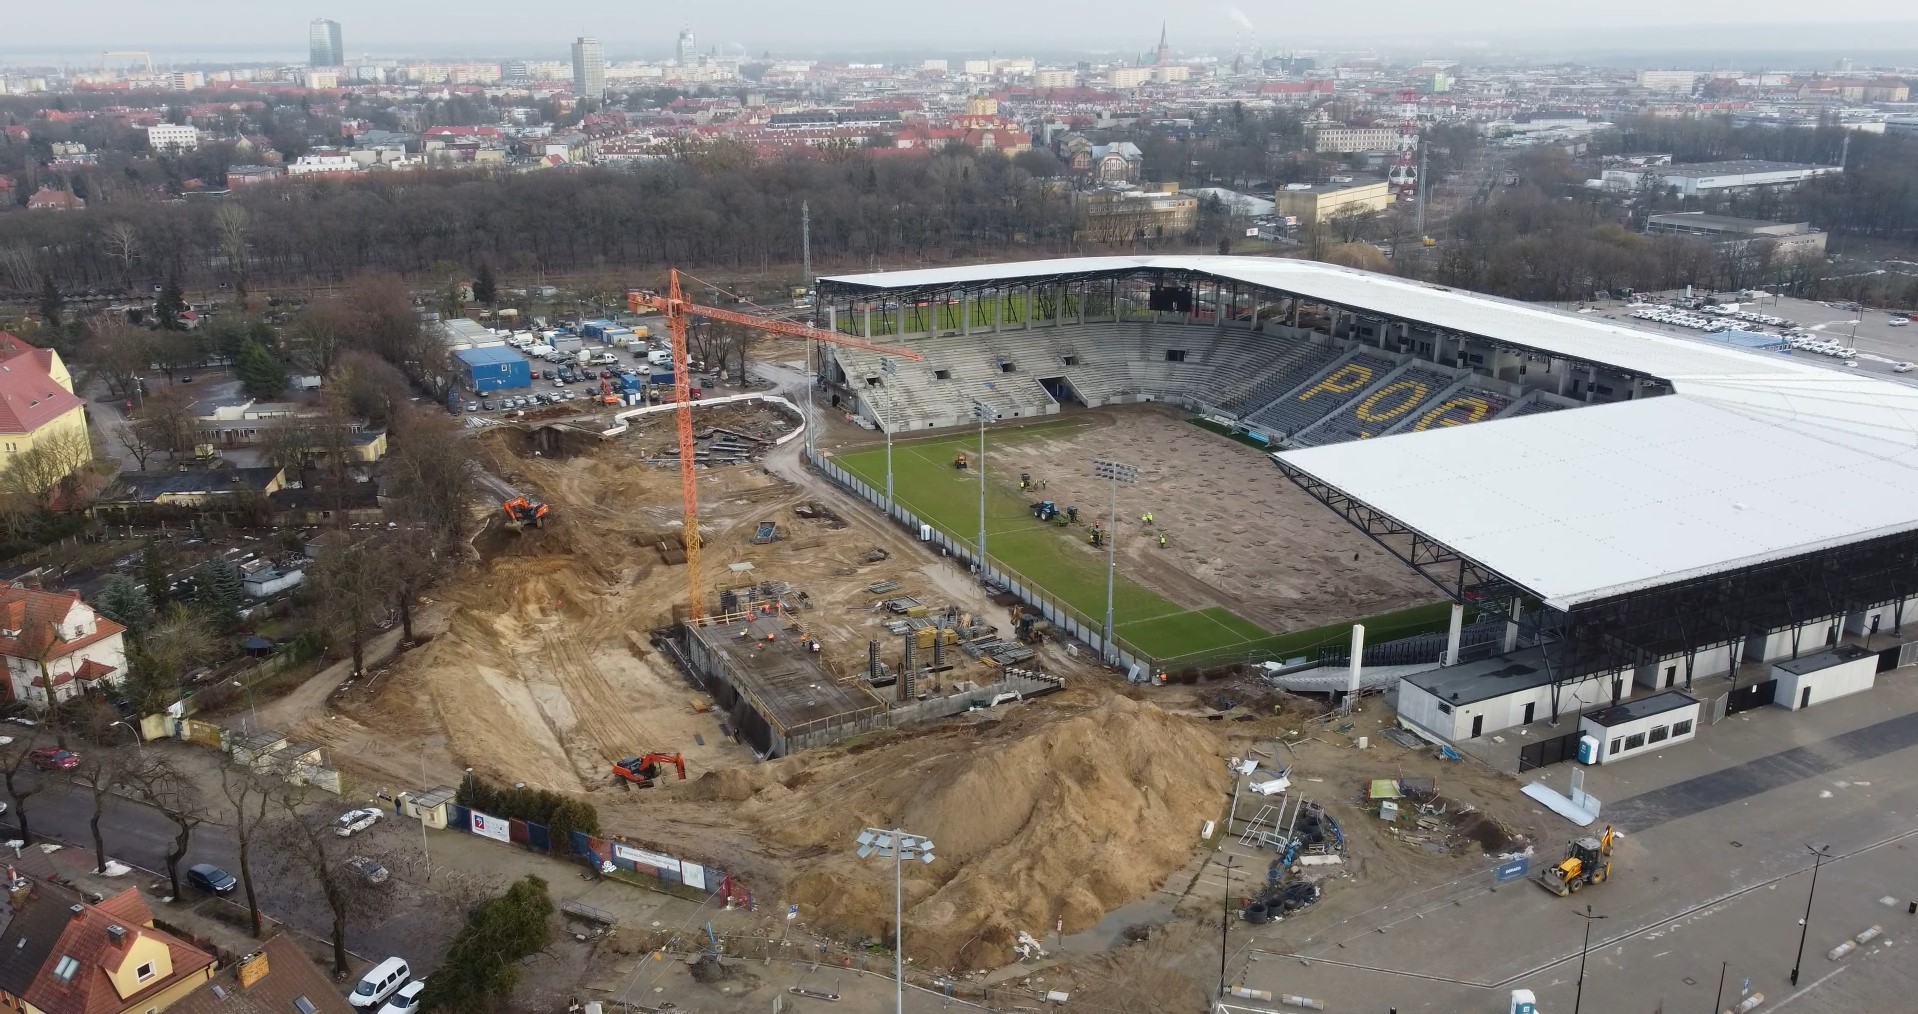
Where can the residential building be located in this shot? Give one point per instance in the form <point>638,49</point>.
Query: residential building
<point>64,955</point>
<point>589,69</point>
<point>57,647</point>
<point>323,162</point>
<point>38,407</point>
<point>186,488</point>
<point>1056,79</point>
<point>1317,202</point>
<point>1128,77</point>
<point>1788,238</point>
<point>1693,179</point>
<point>1342,139</point>
<point>252,175</point>
<point>1119,162</point>
<point>276,979</point>
<point>1121,215</point>
<point>325,48</point>
<point>1681,81</point>
<point>172,137</point>
<point>49,199</point>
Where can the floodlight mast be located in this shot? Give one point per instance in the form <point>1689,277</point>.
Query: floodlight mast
<point>898,845</point>
<point>1115,473</point>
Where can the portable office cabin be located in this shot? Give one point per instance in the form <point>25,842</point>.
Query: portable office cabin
<point>1654,722</point>
<point>1824,675</point>
<point>497,368</point>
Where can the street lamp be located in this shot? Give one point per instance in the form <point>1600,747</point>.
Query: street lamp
<point>898,846</point>
<point>982,412</point>
<point>1589,918</point>
<point>1115,473</point>
<point>139,749</point>
<point>255,712</point>
<point>1819,854</point>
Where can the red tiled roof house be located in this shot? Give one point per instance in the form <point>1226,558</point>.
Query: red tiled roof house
<point>57,647</point>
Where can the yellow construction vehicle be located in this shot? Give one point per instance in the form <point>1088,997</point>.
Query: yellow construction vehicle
<point>1588,860</point>
<point>959,460</point>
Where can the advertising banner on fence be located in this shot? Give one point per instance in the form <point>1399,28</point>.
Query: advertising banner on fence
<point>656,860</point>
<point>495,828</point>
<point>693,874</point>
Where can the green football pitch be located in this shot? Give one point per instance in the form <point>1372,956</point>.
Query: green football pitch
<point>1072,572</point>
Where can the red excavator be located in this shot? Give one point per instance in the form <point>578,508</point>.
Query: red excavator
<point>642,771</point>
<point>523,512</point>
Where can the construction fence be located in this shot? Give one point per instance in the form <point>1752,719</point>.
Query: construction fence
<point>1067,620</point>
<point>620,859</point>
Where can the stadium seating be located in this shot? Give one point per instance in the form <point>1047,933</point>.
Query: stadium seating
<point>1468,404</point>
<point>1329,391</point>
<point>1294,367</point>
<point>1373,414</point>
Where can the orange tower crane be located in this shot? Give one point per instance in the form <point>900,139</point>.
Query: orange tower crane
<point>676,308</point>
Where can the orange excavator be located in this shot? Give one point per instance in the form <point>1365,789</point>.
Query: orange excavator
<point>523,512</point>
<point>646,768</point>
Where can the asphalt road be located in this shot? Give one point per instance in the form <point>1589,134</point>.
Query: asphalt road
<point>406,918</point>
<point>1713,873</point>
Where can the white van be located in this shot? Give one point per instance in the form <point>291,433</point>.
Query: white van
<point>660,357</point>
<point>382,981</point>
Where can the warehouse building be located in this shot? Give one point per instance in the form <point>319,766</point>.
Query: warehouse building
<point>1698,178</point>
<point>1789,238</point>
<point>495,368</point>
<point>1318,202</point>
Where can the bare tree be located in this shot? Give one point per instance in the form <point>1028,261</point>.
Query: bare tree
<point>117,353</point>
<point>13,761</point>
<point>122,243</point>
<point>157,781</point>
<point>252,797</point>
<point>234,225</point>
<point>167,417</point>
<point>137,441</point>
<point>354,581</point>
<point>302,844</point>
<point>38,472</point>
<point>101,770</point>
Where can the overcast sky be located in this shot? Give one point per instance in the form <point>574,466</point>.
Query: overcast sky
<point>177,28</point>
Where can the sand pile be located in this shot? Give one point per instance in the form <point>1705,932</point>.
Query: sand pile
<point>1033,824</point>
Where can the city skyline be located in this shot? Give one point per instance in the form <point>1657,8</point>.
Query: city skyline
<point>867,26</point>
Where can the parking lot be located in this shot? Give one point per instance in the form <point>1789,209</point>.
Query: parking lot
<point>1875,343</point>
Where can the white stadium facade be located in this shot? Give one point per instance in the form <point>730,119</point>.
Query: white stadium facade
<point>1636,507</point>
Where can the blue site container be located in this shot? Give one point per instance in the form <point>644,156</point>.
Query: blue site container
<point>494,368</point>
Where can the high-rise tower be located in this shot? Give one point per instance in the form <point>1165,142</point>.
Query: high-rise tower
<point>589,69</point>
<point>688,48</point>
<point>324,47</point>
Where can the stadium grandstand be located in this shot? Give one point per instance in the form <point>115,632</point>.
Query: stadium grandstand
<point>1703,511</point>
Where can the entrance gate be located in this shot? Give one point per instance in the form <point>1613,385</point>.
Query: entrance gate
<point>1746,698</point>
<point>1547,752</point>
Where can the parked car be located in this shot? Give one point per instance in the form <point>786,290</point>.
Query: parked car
<point>472,406</point>
<point>486,404</point>
<point>1898,321</point>
<point>353,822</point>
<point>210,878</point>
<point>1902,368</point>
<point>52,758</point>
<point>380,982</point>
<point>369,869</point>
<point>407,1000</point>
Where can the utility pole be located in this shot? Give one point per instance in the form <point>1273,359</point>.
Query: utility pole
<point>1718,1004</point>
<point>1225,917</point>
<point>805,242</point>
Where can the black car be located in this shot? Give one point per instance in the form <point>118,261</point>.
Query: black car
<point>208,877</point>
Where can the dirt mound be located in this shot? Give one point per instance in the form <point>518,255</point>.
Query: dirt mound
<point>1066,820</point>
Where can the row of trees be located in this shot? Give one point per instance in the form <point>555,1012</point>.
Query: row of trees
<point>286,831</point>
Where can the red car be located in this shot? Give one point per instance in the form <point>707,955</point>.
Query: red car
<point>52,758</point>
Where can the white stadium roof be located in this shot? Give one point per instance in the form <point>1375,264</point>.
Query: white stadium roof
<point>1754,457</point>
